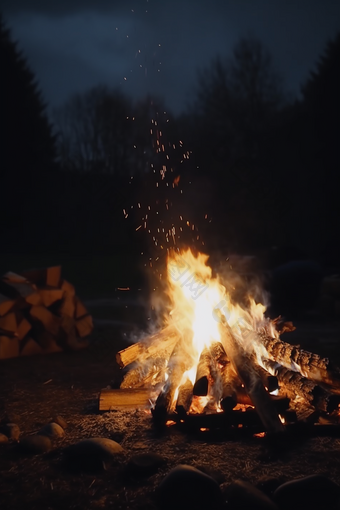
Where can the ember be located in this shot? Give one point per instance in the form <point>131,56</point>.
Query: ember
<point>217,360</point>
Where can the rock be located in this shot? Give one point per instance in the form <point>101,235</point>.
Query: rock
<point>60,421</point>
<point>145,464</point>
<point>3,439</point>
<point>12,431</point>
<point>241,495</point>
<point>52,430</point>
<point>91,454</point>
<point>216,474</point>
<point>187,487</point>
<point>35,444</point>
<point>269,485</point>
<point>315,491</point>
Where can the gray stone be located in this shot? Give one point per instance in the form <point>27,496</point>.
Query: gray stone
<point>186,487</point>
<point>52,430</point>
<point>91,454</point>
<point>60,421</point>
<point>315,491</point>
<point>35,444</point>
<point>145,464</point>
<point>12,431</point>
<point>3,438</point>
<point>241,495</point>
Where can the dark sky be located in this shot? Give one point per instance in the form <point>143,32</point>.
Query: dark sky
<point>158,45</point>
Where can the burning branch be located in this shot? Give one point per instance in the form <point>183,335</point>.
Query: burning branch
<point>251,380</point>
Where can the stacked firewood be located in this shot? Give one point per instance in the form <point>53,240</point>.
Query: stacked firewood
<point>307,385</point>
<point>40,313</point>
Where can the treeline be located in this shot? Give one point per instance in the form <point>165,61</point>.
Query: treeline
<point>263,165</point>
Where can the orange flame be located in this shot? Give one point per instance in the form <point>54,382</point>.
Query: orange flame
<point>198,300</point>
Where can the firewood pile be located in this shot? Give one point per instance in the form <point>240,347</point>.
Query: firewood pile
<point>40,313</point>
<point>233,388</point>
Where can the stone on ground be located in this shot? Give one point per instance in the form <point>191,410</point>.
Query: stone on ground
<point>315,491</point>
<point>52,430</point>
<point>91,454</point>
<point>3,438</point>
<point>35,444</point>
<point>241,495</point>
<point>187,487</point>
<point>60,421</point>
<point>145,464</point>
<point>12,431</point>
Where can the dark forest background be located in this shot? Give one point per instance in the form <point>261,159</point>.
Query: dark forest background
<point>262,165</point>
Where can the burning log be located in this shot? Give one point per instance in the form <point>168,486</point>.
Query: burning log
<point>280,402</point>
<point>250,379</point>
<point>178,364</point>
<point>145,374</point>
<point>294,384</point>
<point>270,382</point>
<point>206,371</point>
<point>230,381</point>
<point>231,419</point>
<point>185,394</point>
<point>123,399</point>
<point>162,341</point>
<point>310,365</point>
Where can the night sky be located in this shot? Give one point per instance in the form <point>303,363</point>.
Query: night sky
<point>157,46</point>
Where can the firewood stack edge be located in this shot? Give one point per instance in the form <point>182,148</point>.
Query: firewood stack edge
<point>307,385</point>
<point>40,313</point>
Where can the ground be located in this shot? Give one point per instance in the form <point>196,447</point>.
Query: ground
<point>36,389</point>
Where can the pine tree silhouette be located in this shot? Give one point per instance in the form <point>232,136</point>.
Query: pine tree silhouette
<point>27,146</point>
<point>322,110</point>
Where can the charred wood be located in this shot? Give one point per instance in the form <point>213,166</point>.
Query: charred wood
<point>270,382</point>
<point>310,365</point>
<point>230,383</point>
<point>295,385</point>
<point>184,399</point>
<point>251,380</point>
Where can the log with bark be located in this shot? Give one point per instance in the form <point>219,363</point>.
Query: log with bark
<point>310,365</point>
<point>250,378</point>
<point>295,385</point>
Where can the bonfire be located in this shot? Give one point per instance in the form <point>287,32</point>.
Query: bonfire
<point>219,361</point>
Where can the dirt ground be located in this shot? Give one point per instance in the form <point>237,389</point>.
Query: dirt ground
<point>34,390</point>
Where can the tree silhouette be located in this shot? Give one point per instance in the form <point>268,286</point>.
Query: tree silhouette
<point>94,131</point>
<point>321,110</point>
<point>27,145</point>
<point>237,103</point>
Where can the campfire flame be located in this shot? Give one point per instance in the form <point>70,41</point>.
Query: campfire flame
<point>198,301</point>
<point>216,353</point>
